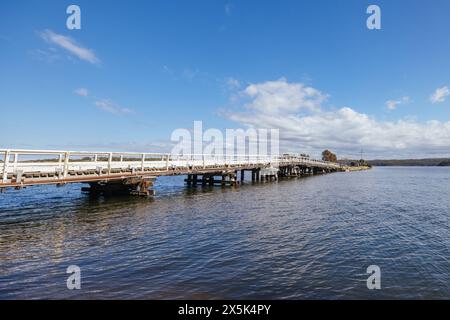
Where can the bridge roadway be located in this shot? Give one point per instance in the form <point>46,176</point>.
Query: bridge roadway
<point>133,172</point>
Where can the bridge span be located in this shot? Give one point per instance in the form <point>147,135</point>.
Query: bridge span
<point>134,173</point>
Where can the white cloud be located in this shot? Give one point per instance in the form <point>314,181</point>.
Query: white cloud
<point>109,106</point>
<point>275,104</point>
<point>70,45</point>
<point>440,94</point>
<point>280,96</point>
<point>82,92</point>
<point>392,104</point>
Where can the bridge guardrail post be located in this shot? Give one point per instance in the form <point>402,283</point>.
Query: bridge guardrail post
<point>5,166</point>
<point>66,164</point>
<point>15,160</point>
<point>143,162</point>
<point>109,162</point>
<point>167,161</point>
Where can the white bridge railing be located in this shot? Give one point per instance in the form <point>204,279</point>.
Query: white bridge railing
<point>14,161</point>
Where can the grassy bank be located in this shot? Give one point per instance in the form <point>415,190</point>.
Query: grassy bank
<point>357,168</point>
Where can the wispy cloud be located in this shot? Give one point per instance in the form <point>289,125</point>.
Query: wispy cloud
<point>82,92</point>
<point>159,146</point>
<point>49,55</point>
<point>233,83</point>
<point>69,45</point>
<point>228,8</point>
<point>392,104</point>
<point>168,70</point>
<point>190,74</point>
<point>109,106</point>
<point>440,94</point>
<point>106,105</point>
<point>186,73</point>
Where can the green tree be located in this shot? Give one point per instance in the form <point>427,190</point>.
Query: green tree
<point>327,155</point>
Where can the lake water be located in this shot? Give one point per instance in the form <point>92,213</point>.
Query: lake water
<point>293,239</point>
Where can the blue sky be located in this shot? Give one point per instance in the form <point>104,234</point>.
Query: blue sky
<point>137,70</point>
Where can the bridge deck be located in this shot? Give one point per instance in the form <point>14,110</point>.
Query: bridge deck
<point>32,167</point>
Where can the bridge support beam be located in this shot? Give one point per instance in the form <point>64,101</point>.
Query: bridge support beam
<point>137,186</point>
<point>224,179</point>
<point>289,171</point>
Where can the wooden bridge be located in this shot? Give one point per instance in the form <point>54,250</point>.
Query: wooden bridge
<point>134,173</point>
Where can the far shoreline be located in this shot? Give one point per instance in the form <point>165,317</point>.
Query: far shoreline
<point>427,162</point>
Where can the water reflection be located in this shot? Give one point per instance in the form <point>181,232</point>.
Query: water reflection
<point>299,238</point>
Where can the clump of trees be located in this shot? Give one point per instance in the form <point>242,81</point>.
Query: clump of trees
<point>327,155</point>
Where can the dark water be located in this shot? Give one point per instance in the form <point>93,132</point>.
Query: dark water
<point>295,239</point>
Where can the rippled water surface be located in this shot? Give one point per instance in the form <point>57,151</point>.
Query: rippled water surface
<point>294,239</point>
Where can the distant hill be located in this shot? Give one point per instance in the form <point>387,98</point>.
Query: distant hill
<point>412,162</point>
